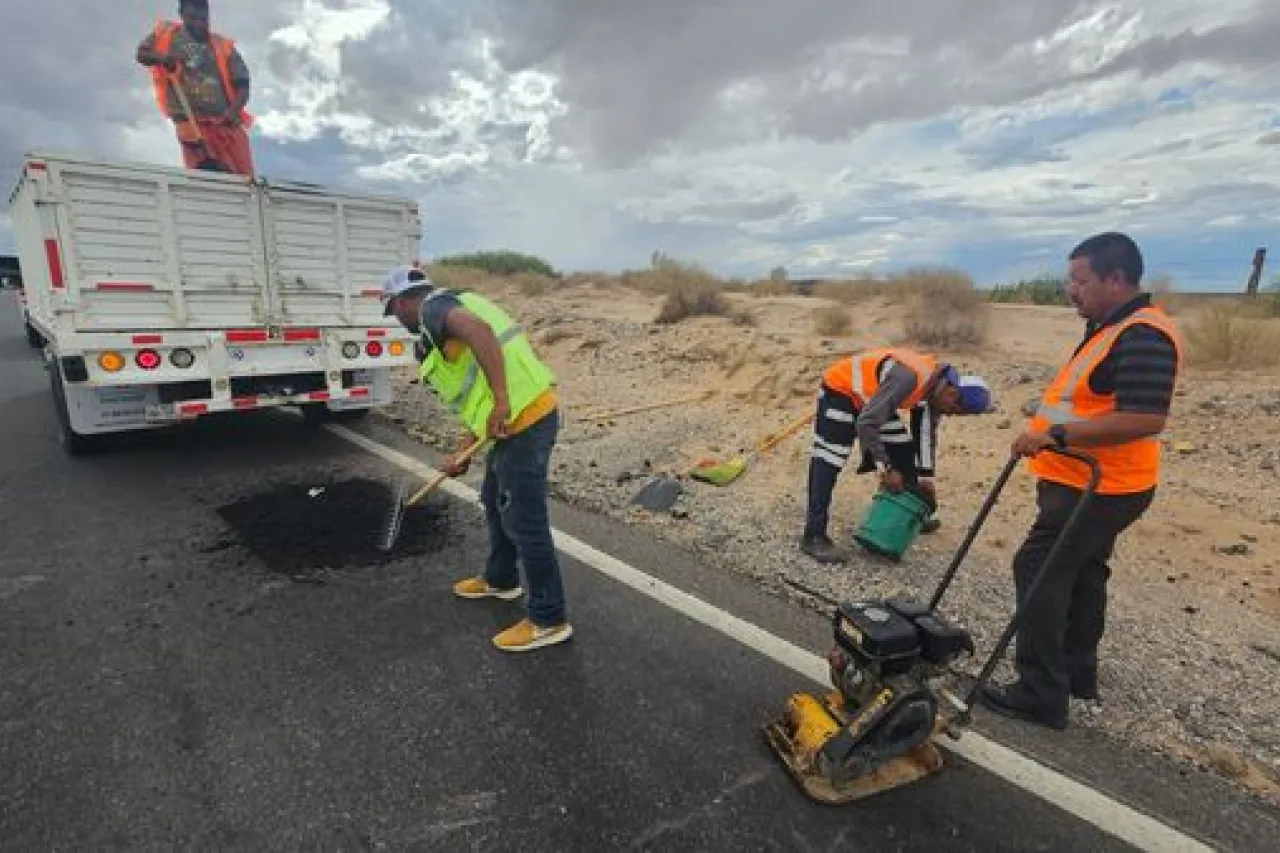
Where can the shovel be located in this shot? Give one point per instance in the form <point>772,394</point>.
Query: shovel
<point>395,518</point>
<point>724,473</point>
<point>209,163</point>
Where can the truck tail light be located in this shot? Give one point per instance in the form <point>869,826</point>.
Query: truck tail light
<point>373,348</point>
<point>147,359</point>
<point>111,362</point>
<point>351,349</point>
<point>396,348</point>
<point>182,358</point>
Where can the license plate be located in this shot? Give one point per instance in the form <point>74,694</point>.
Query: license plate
<point>251,361</point>
<point>122,406</point>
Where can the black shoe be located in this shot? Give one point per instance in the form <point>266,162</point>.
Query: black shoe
<point>822,549</point>
<point>1014,702</point>
<point>930,525</point>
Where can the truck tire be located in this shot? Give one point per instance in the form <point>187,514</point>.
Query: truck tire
<point>73,443</point>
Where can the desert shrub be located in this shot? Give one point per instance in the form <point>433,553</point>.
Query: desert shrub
<point>1043,290</point>
<point>500,262</point>
<point>832,320</point>
<point>1231,335</point>
<point>692,298</point>
<point>943,309</point>
<point>689,290</point>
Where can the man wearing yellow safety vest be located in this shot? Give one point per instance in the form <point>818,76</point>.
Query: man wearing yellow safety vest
<point>481,364</point>
<point>1110,400</point>
<point>860,398</point>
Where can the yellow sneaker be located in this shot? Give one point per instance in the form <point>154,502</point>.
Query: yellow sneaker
<point>524,636</point>
<point>479,588</point>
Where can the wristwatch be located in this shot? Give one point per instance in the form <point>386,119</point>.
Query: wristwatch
<point>1058,432</point>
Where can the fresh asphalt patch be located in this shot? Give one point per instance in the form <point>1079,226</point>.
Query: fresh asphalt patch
<point>301,527</point>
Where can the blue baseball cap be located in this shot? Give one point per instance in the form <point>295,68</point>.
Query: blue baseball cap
<point>975,396</point>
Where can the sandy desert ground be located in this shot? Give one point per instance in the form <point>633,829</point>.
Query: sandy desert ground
<point>1191,660</point>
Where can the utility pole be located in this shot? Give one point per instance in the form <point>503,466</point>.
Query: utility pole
<point>1259,257</point>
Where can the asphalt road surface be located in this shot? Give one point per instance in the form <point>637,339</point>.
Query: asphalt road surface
<point>184,664</point>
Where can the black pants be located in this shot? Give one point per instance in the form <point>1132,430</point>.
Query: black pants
<point>834,433</point>
<point>1062,624</point>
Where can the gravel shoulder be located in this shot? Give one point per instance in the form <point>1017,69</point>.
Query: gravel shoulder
<point>1191,660</point>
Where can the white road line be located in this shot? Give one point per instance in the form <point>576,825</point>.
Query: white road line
<point>1123,822</point>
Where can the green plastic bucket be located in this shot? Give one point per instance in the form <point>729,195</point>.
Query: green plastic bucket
<point>892,523</point>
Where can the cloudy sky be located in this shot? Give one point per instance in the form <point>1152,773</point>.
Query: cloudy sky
<point>826,136</point>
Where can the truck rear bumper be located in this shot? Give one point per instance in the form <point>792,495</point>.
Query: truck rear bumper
<point>95,409</point>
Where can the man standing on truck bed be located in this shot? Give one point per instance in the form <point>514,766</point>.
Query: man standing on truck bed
<point>860,398</point>
<point>482,366</point>
<point>214,79</point>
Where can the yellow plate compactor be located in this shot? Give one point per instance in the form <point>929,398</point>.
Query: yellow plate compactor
<point>891,667</point>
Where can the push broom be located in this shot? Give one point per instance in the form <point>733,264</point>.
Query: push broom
<point>395,517</point>
<point>724,473</point>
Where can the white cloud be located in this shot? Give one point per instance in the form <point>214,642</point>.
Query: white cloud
<point>816,134</point>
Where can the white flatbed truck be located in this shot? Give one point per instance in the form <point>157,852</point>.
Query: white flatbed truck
<point>159,295</point>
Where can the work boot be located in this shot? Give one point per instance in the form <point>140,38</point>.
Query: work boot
<point>821,548</point>
<point>1016,702</point>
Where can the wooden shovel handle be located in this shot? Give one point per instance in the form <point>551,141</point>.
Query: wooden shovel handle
<point>694,398</point>
<point>440,478</point>
<point>791,428</point>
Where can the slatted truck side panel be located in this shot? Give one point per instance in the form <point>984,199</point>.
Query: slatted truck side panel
<point>159,293</point>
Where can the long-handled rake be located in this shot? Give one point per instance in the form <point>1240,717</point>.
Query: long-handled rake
<point>395,518</point>
<point>724,473</point>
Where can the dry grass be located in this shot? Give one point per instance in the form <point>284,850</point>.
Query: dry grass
<point>832,320</point>
<point>854,290</point>
<point>688,290</point>
<point>772,287</point>
<point>944,309</point>
<point>479,281</point>
<point>1229,334</point>
<point>461,278</point>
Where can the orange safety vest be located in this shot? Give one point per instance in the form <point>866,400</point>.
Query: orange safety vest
<point>1126,468</point>
<point>859,376</point>
<point>222,50</point>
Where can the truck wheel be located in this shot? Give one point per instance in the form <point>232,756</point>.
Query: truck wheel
<point>34,338</point>
<point>72,442</point>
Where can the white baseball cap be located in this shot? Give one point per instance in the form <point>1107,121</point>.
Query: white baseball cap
<point>397,282</point>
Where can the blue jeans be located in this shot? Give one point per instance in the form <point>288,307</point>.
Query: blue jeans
<point>514,495</point>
